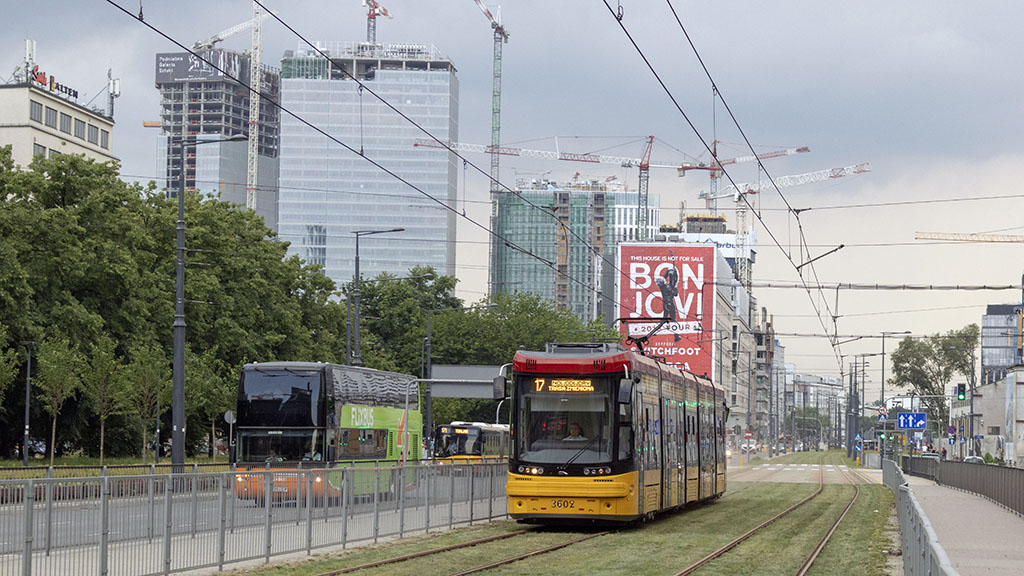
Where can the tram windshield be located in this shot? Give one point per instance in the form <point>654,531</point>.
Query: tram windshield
<point>562,419</point>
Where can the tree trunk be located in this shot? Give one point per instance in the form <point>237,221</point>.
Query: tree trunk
<point>213,438</point>
<point>103,425</point>
<point>144,443</point>
<point>53,438</point>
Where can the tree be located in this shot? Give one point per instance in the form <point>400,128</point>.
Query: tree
<point>58,380</point>
<point>927,365</point>
<point>209,394</point>
<point>146,378</point>
<point>8,364</point>
<point>104,385</point>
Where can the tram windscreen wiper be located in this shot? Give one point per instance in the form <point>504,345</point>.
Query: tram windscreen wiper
<point>578,453</point>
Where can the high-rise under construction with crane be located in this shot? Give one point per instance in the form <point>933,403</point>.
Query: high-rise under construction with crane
<point>200,101</point>
<point>331,190</point>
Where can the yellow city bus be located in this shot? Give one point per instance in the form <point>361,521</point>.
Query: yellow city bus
<point>468,442</point>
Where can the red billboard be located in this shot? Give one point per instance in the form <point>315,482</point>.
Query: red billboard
<point>674,282</point>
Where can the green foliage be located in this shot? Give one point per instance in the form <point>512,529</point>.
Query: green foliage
<point>148,381</point>
<point>104,384</point>
<point>8,363</point>
<point>60,368</point>
<point>927,365</point>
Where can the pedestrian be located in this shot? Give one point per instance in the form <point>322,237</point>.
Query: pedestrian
<point>943,453</point>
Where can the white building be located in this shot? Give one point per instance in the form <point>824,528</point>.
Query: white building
<point>35,119</point>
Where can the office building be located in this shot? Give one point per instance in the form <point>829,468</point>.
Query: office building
<point>329,191</point>
<point>1000,339</point>
<point>41,116</point>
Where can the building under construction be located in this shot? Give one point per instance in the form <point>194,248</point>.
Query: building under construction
<point>201,101</point>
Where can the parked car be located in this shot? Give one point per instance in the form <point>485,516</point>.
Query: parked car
<point>931,455</point>
<point>974,460</point>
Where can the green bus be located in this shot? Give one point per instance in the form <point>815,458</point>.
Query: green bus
<point>312,415</point>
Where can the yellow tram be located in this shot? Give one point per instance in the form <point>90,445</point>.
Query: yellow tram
<point>604,434</point>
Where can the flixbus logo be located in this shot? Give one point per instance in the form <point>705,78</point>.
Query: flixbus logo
<point>362,417</point>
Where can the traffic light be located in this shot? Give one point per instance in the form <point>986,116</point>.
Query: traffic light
<point>882,436</point>
<point>961,391</point>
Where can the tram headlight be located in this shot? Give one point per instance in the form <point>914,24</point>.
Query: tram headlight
<point>318,480</point>
<point>522,469</point>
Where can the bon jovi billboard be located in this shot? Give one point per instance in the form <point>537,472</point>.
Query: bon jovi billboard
<point>675,282</point>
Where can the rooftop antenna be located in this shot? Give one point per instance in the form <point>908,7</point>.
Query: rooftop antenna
<point>23,73</point>
<point>113,91</point>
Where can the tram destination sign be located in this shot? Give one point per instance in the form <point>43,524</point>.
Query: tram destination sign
<point>563,385</point>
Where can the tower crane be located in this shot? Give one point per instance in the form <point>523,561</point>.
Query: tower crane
<point>374,9</point>
<point>967,237</point>
<point>715,169</point>
<point>256,83</point>
<point>212,41</point>
<point>743,264</point>
<point>500,37</point>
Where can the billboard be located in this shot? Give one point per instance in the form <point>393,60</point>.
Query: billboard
<point>674,282</point>
<point>183,66</point>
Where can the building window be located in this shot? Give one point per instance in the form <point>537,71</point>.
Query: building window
<point>79,129</point>
<point>65,123</point>
<point>993,430</point>
<point>51,117</point>
<point>104,139</point>
<point>38,149</point>
<point>94,134</point>
<point>35,111</point>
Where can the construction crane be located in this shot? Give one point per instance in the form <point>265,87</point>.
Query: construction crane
<point>212,41</point>
<point>373,9</point>
<point>967,237</point>
<point>500,37</point>
<point>643,163</point>
<point>715,169</point>
<point>743,264</point>
<point>256,85</point>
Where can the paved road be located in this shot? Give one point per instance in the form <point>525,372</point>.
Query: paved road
<point>979,536</point>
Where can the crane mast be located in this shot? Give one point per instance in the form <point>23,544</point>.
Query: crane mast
<point>500,37</point>
<point>374,9</point>
<point>255,82</point>
<point>641,202</point>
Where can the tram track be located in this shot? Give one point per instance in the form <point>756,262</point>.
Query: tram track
<point>851,476</point>
<point>469,544</point>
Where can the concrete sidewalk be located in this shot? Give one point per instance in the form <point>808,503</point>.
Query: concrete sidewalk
<point>979,537</point>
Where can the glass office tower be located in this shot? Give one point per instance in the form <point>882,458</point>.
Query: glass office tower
<point>328,191</point>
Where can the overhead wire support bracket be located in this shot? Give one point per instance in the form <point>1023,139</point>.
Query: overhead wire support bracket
<point>820,256</point>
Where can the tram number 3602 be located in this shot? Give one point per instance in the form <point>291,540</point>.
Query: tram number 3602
<point>563,503</point>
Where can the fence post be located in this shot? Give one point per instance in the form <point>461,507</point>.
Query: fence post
<point>376,501</point>
<point>309,512</point>
<point>49,515</point>
<point>472,492</point>
<point>168,525</point>
<point>401,502</point>
<point>152,507</point>
<point>426,494</point>
<point>194,480</point>
<point>222,485</point>
<point>451,496</point>
<point>346,493</point>
<point>104,523</point>
<point>30,498</point>
<point>490,491</point>
<point>268,494</point>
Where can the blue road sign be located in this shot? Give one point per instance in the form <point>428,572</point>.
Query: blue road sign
<point>911,420</point>
<point>952,440</point>
<point>857,438</point>
<point>951,430</point>
<point>856,448</point>
<point>881,417</point>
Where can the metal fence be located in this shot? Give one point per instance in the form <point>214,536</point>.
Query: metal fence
<point>922,553</point>
<point>158,524</point>
<point>1002,485</point>
<point>24,473</point>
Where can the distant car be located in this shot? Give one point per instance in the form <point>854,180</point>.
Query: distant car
<point>931,456</point>
<point>974,460</point>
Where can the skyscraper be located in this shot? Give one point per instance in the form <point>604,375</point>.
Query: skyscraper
<point>328,191</point>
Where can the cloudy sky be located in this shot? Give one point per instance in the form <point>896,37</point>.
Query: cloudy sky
<point>926,91</point>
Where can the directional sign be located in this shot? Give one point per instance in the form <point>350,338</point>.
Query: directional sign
<point>856,448</point>
<point>911,420</point>
<point>952,440</point>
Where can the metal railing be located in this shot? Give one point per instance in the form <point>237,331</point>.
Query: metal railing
<point>922,553</point>
<point>159,524</point>
<point>82,471</point>
<point>1000,484</point>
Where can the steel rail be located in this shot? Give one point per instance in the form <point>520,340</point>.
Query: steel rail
<point>693,567</point>
<point>851,478</point>
<point>528,555</point>
<point>424,553</point>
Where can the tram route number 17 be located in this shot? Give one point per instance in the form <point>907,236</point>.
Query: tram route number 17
<point>563,503</point>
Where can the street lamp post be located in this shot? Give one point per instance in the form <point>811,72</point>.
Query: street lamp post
<point>884,334</point>
<point>28,344</point>
<point>178,396</point>
<point>356,358</point>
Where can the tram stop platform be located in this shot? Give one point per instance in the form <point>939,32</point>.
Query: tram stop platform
<point>979,536</point>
